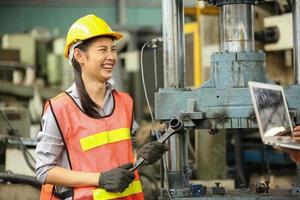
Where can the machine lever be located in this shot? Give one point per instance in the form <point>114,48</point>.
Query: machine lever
<point>175,125</point>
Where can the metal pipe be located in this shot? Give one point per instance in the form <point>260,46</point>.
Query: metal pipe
<point>174,77</point>
<point>236,28</point>
<point>175,153</point>
<point>178,161</point>
<point>173,45</point>
<point>122,12</point>
<point>296,40</point>
<point>173,51</point>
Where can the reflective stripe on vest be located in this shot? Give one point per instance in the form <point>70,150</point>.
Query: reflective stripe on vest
<point>99,139</point>
<point>102,194</point>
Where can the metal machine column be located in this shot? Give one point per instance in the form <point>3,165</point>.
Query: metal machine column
<point>236,28</point>
<point>296,40</point>
<point>173,46</point>
<point>174,77</point>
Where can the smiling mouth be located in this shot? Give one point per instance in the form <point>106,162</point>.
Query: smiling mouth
<point>107,66</point>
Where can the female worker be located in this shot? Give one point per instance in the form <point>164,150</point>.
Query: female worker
<point>84,149</point>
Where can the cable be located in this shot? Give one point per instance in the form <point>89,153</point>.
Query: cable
<point>144,85</point>
<point>20,179</point>
<point>24,149</point>
<point>158,135</point>
<point>152,118</point>
<point>166,179</point>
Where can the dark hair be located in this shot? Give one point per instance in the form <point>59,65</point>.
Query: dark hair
<point>88,105</point>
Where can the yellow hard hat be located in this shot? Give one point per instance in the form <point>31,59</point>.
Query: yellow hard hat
<point>87,27</point>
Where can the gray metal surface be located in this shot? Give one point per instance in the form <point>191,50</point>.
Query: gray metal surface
<point>217,108</point>
<point>174,77</point>
<point>296,39</point>
<point>173,46</point>
<point>218,116</point>
<point>236,28</point>
<point>224,100</point>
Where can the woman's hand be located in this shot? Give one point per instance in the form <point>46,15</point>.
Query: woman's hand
<point>152,151</point>
<point>296,133</point>
<point>293,153</point>
<point>117,179</point>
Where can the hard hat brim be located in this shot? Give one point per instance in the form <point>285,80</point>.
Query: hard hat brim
<point>116,35</point>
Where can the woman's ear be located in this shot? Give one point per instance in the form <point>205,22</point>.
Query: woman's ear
<point>78,55</point>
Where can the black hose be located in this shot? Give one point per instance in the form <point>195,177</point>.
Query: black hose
<point>20,179</point>
<point>27,155</point>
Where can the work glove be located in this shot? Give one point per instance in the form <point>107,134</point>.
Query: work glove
<point>117,179</point>
<point>152,151</point>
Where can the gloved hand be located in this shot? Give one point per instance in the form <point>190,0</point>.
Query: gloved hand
<point>117,179</point>
<point>152,151</point>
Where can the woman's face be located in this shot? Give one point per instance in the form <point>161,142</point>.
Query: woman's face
<point>99,59</point>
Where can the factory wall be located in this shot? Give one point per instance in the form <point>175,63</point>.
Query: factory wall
<point>58,18</point>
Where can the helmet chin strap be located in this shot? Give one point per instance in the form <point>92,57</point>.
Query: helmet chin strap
<point>71,50</point>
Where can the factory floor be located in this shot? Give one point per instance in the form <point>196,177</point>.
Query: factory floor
<point>18,191</point>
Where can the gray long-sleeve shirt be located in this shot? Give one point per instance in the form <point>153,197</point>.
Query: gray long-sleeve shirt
<point>50,148</point>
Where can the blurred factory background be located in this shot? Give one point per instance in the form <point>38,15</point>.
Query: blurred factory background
<point>33,69</point>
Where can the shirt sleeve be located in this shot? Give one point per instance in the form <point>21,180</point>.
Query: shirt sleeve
<point>49,146</point>
<point>135,126</point>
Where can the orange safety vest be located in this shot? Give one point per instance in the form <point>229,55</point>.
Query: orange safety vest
<point>95,145</point>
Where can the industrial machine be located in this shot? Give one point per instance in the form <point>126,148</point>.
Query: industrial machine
<point>223,102</point>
